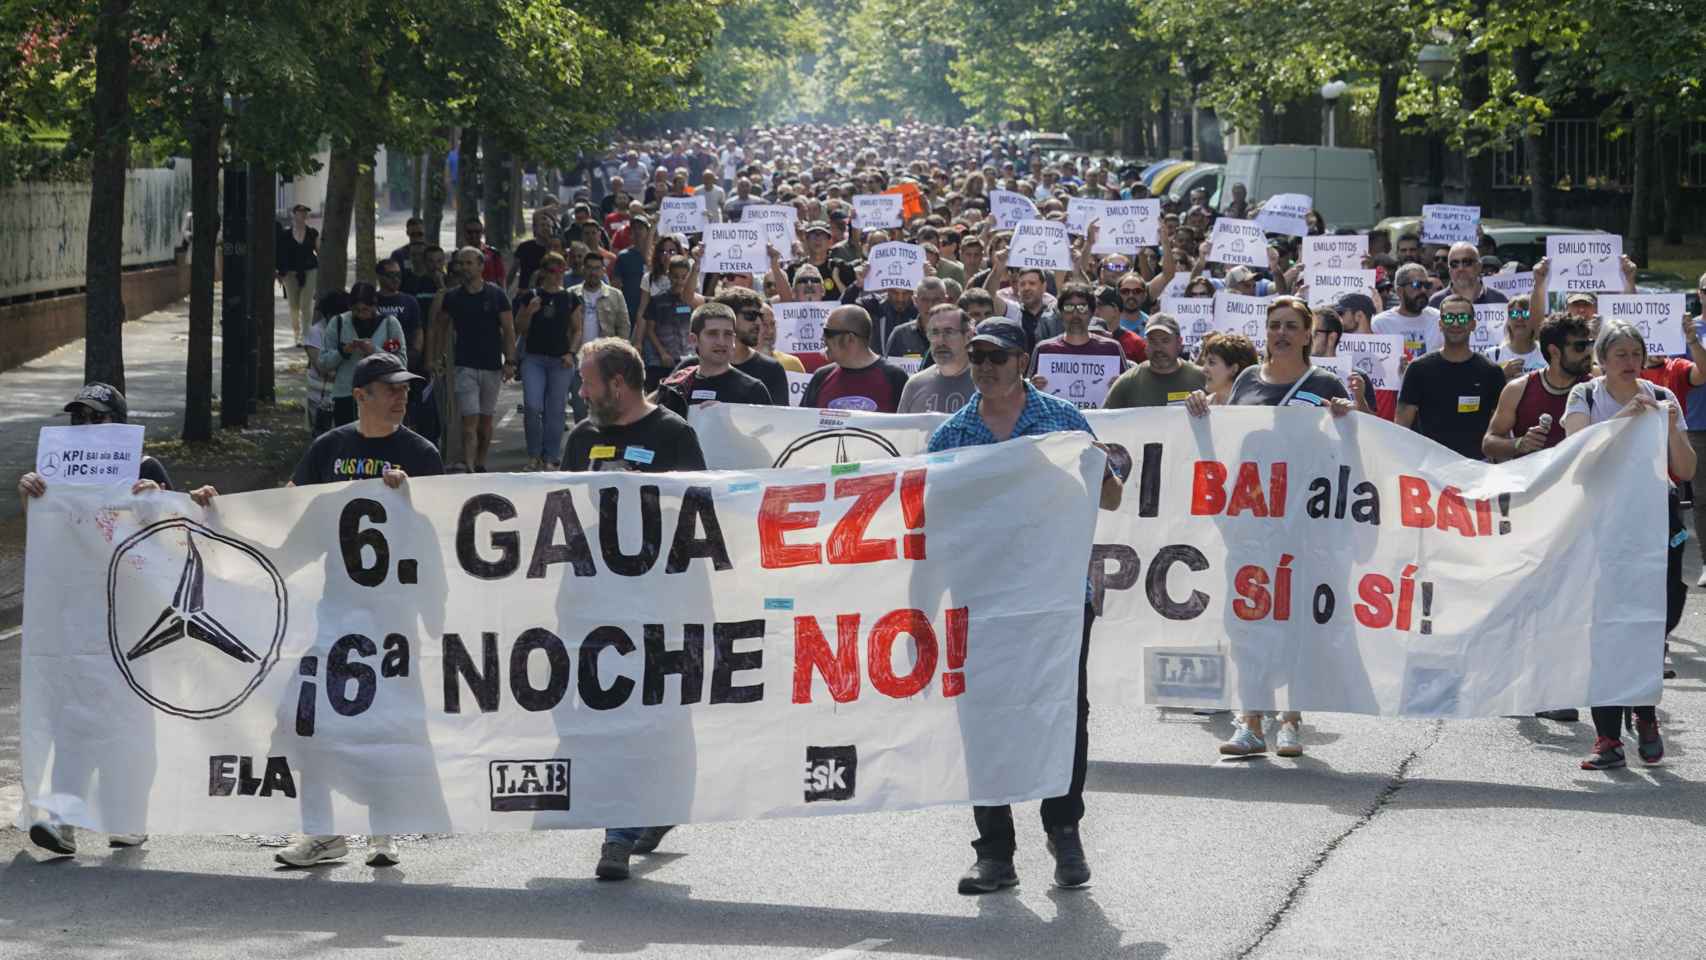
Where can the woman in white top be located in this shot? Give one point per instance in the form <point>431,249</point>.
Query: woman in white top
<point>1622,353</point>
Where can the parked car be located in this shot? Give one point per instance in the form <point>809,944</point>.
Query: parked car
<point>1205,175</point>
<point>1051,144</point>
<point>1342,182</point>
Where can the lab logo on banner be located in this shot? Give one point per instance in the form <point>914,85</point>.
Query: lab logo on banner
<point>831,773</point>
<point>529,784</point>
<point>203,652</point>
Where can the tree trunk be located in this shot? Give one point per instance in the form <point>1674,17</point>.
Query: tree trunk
<point>103,302</point>
<point>467,182</point>
<point>1640,199</point>
<point>1668,196</point>
<point>1477,88</point>
<point>366,257</point>
<point>263,239</point>
<point>495,197</point>
<point>1165,124</point>
<point>335,224</point>
<point>432,209</point>
<point>1386,142</point>
<point>1536,146</point>
<point>518,202</point>
<point>205,128</point>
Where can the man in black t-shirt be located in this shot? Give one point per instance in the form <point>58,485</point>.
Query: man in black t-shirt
<point>1449,395</point>
<point>712,335</point>
<point>484,353</point>
<point>749,308</point>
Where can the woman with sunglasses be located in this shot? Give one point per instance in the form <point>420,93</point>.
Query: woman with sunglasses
<point>1520,352</point>
<point>1284,379</point>
<point>655,282</point>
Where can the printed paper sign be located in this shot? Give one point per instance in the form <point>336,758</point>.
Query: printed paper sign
<point>1512,285</point>
<point>1377,356</point>
<point>1238,242</point>
<point>1490,320</point>
<point>1657,315</point>
<point>797,383</point>
<point>1285,213</point>
<point>1327,286</point>
<point>532,666</point>
<point>736,248</point>
<point>95,453</point>
<point>1368,511</point>
<point>877,211</point>
<point>1339,366</point>
<point>799,324</point>
<point>1237,313</point>
<point>1584,263</point>
<point>911,363</point>
<point>1082,379</point>
<point>895,266</point>
<point>1450,223</point>
<point>782,220</point>
<point>1333,253</point>
<point>682,215</point>
<point>1127,225</point>
<point>1010,208</point>
<point>1196,319</point>
<point>1080,213</point>
<point>1042,244</point>
<point>1176,287</point>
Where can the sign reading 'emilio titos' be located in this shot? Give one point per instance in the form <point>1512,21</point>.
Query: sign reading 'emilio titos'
<point>520,652</point>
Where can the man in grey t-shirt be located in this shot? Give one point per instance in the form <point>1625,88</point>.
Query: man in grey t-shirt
<point>946,386</point>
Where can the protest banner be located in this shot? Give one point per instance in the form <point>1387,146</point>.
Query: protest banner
<point>1584,263</point>
<point>1081,379</point>
<point>1284,559</point>
<point>1196,318</point>
<point>1040,244</point>
<point>1080,213</point>
<point>1127,225</point>
<point>799,324</point>
<point>1240,313</point>
<point>797,383</point>
<point>1285,213</point>
<point>1238,242</point>
<point>515,652</point>
<point>1327,286</point>
<point>736,248</point>
<point>93,453</point>
<point>1657,315</point>
<point>685,215</point>
<point>1010,208</point>
<point>1450,223</point>
<point>780,220</point>
<point>1335,253</point>
<point>1512,285</point>
<point>896,266</point>
<point>877,211</point>
<point>1377,356</point>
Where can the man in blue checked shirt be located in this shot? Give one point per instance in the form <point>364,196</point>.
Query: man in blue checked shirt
<point>1005,406</point>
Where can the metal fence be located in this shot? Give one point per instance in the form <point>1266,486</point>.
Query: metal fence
<point>1586,157</point>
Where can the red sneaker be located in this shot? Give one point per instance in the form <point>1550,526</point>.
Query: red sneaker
<point>1607,754</point>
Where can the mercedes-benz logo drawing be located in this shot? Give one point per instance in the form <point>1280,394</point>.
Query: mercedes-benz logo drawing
<point>234,636</point>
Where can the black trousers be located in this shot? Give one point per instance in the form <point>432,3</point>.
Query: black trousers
<point>995,837</point>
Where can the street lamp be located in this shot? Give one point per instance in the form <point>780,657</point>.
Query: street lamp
<point>1331,92</point>
<point>1435,62</point>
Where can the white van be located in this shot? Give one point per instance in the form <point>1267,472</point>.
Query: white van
<point>1343,182</point>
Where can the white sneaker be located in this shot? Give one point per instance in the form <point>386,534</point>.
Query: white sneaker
<point>126,839</point>
<point>1244,742</point>
<point>307,851</point>
<point>1702,581</point>
<point>1287,743</point>
<point>50,834</point>
<point>381,851</point>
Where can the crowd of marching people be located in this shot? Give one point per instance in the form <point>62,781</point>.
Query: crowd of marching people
<point>615,331</point>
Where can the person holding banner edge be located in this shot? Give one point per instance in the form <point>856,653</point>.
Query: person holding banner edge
<point>1005,406</point>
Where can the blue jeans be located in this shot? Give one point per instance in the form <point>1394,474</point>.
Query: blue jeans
<point>628,835</point>
<point>545,388</point>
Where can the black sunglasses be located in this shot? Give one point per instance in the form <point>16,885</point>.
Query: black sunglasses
<point>83,416</point>
<point>1463,263</point>
<point>1579,345</point>
<point>829,334</point>
<point>996,357</point>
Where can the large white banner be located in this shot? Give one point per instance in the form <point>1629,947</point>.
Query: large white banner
<point>1284,559</point>
<point>519,651</point>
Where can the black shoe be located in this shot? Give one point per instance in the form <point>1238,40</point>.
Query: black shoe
<point>988,875</point>
<point>613,860</point>
<point>650,837</point>
<point>1070,867</point>
<point>1566,715</point>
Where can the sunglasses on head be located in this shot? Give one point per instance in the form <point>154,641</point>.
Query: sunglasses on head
<point>1457,319</point>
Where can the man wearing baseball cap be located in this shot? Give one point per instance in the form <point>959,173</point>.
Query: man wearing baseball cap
<point>1007,406</point>
<point>1163,379</point>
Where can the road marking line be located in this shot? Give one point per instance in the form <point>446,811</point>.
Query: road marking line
<point>11,634</point>
<point>848,953</point>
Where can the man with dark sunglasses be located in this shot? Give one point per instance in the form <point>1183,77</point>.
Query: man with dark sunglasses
<point>1412,319</point>
<point>1007,406</point>
<point>1516,427</point>
<point>1463,261</point>
<point>1449,395</point>
<point>855,377</point>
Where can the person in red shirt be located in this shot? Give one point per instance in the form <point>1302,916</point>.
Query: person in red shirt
<point>1106,322</point>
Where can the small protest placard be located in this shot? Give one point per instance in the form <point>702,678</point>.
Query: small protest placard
<point>910,362</point>
<point>877,211</point>
<point>1239,242</point>
<point>1126,225</point>
<point>799,324</point>
<point>1327,286</point>
<point>1080,213</point>
<point>1335,253</point>
<point>736,248</point>
<point>1657,315</point>
<point>1339,366</point>
<point>796,385</point>
<point>1285,213</point>
<point>1196,319</point>
<point>780,220</point>
<point>1490,319</point>
<point>1450,223</point>
<point>898,266</point>
<point>1584,263</point>
<point>1237,313</point>
<point>681,215</point>
<point>1511,284</point>
<point>1082,379</point>
<point>1376,356</point>
<point>1042,244</point>
<point>95,453</point>
<point>1010,208</point>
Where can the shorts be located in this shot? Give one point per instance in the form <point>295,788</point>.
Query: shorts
<point>477,391</point>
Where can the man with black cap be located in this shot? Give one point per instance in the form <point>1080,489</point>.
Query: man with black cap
<point>837,274</point>
<point>1007,406</point>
